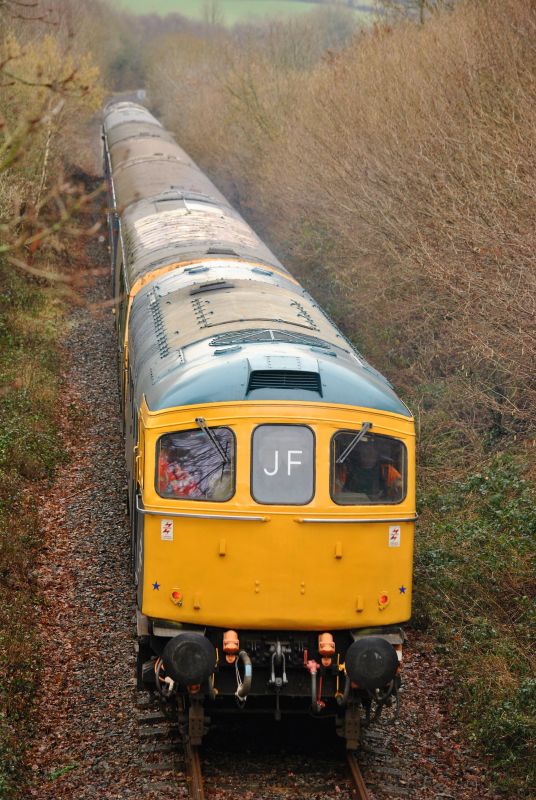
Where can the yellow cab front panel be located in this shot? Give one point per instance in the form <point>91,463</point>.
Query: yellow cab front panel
<point>244,564</point>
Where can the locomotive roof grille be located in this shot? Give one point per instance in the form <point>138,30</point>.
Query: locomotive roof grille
<point>284,379</point>
<point>252,335</point>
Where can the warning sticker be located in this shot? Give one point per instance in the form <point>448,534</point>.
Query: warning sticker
<point>394,536</point>
<point>166,530</point>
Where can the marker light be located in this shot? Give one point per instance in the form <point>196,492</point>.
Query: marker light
<point>383,600</point>
<point>176,597</point>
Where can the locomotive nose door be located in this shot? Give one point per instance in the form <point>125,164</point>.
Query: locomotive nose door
<point>283,461</point>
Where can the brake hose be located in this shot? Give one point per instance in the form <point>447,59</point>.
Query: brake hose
<point>243,686</point>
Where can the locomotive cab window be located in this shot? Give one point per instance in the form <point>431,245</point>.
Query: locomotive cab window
<point>367,470</point>
<point>282,464</point>
<point>196,464</point>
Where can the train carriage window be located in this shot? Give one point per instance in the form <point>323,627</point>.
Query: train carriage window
<point>282,464</point>
<point>194,465</point>
<point>371,472</point>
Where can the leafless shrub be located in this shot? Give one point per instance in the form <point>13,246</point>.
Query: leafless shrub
<point>428,156</point>
<point>413,9</point>
<point>46,88</point>
<point>400,175</point>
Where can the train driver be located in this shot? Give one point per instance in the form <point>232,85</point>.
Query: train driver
<point>367,474</point>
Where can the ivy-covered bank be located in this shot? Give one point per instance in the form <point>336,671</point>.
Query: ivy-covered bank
<point>475,592</point>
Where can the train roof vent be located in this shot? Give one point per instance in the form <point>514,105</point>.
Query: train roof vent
<point>284,379</point>
<point>222,251</point>
<point>211,286</point>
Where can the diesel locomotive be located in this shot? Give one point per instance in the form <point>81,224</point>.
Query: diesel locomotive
<point>271,469</point>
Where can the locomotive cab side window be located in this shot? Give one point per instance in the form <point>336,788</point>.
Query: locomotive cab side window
<point>196,464</point>
<point>373,471</point>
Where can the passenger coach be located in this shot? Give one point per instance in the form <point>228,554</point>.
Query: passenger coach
<point>271,468</point>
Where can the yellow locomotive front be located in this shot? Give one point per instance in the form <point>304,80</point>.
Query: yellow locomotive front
<point>271,469</point>
<point>277,516</point>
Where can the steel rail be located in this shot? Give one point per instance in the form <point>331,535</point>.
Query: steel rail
<point>357,777</point>
<point>194,775</point>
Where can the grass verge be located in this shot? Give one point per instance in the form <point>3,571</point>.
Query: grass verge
<point>29,450</point>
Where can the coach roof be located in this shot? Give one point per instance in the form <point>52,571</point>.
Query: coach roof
<point>169,211</point>
<point>177,227</point>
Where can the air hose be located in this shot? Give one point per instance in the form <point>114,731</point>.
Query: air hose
<point>314,702</point>
<point>243,685</point>
<point>342,699</point>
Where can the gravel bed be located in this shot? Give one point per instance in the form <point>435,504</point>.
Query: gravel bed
<point>87,711</point>
<point>87,738</point>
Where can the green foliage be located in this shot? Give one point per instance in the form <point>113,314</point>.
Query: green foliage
<point>475,585</point>
<point>59,771</point>
<point>29,451</point>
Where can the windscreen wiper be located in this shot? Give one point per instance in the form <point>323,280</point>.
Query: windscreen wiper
<point>357,438</point>
<point>212,438</point>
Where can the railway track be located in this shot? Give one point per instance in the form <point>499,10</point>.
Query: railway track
<point>174,765</point>
<point>357,777</point>
<point>196,789</point>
